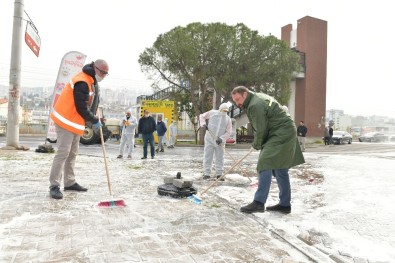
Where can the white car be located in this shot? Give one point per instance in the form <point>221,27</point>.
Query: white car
<point>340,137</point>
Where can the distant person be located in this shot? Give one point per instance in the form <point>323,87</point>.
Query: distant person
<point>218,130</point>
<point>275,138</point>
<point>173,134</point>
<point>166,135</point>
<point>326,135</point>
<point>75,108</point>
<point>128,124</point>
<point>147,127</point>
<point>330,134</point>
<point>161,131</point>
<point>302,131</point>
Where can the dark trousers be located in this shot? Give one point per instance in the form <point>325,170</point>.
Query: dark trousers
<point>148,138</point>
<point>326,140</point>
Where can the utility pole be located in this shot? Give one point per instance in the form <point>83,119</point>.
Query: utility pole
<point>15,77</point>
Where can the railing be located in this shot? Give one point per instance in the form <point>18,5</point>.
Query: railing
<point>300,73</point>
<point>160,95</point>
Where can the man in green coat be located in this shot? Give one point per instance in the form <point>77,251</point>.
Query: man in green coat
<point>275,136</point>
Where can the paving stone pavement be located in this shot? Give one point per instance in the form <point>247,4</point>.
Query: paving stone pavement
<point>151,228</point>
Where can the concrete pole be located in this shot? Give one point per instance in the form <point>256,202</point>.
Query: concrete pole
<point>15,77</point>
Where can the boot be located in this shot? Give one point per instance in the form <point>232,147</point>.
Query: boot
<point>279,208</point>
<point>55,192</point>
<point>162,151</point>
<point>254,207</point>
<point>222,179</point>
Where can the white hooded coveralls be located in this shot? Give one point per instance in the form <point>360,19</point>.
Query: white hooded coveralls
<point>220,126</point>
<point>128,135</point>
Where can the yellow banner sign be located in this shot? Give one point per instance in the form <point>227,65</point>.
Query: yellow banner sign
<point>157,104</point>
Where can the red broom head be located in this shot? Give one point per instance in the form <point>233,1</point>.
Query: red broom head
<point>114,203</point>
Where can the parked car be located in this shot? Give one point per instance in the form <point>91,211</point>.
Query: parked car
<point>340,137</point>
<point>373,137</point>
<point>91,136</point>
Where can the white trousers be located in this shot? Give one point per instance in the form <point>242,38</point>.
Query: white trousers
<point>127,139</point>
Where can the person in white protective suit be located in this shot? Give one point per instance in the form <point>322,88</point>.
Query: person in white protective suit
<point>128,124</point>
<point>218,130</point>
<point>173,134</point>
<point>166,136</point>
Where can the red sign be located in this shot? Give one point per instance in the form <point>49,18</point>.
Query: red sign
<point>32,38</point>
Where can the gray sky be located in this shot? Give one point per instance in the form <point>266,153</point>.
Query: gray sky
<point>360,59</point>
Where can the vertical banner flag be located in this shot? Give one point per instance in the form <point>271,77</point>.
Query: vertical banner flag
<point>70,65</point>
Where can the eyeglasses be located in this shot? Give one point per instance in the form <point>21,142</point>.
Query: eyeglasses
<point>105,73</point>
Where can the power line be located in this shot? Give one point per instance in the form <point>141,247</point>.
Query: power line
<point>47,77</point>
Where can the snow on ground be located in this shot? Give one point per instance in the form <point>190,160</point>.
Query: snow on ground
<point>343,201</point>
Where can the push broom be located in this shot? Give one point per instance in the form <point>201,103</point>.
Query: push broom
<point>112,202</point>
<point>198,200</point>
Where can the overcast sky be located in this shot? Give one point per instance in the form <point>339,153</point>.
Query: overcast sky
<point>360,57</point>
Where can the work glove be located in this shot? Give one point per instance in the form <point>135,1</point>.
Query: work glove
<point>97,125</point>
<point>256,147</point>
<point>205,127</point>
<point>219,141</point>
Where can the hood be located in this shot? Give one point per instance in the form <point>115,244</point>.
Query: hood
<point>88,69</point>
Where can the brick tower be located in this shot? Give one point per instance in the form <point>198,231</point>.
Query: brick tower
<point>308,97</point>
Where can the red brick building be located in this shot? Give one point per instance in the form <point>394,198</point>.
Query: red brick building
<point>308,99</point>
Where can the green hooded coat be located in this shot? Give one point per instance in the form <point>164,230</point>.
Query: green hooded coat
<point>274,133</point>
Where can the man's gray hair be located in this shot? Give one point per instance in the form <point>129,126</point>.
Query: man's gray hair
<point>240,90</point>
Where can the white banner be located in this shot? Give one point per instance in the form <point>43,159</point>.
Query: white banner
<point>71,64</point>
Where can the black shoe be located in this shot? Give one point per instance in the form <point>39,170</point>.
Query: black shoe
<point>222,179</point>
<point>152,157</point>
<point>55,192</point>
<point>76,187</point>
<point>254,207</point>
<point>206,177</point>
<point>162,151</point>
<point>143,157</point>
<point>279,208</point>
<point>119,156</point>
<point>157,150</point>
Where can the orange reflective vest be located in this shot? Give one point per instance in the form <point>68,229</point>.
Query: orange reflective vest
<point>64,112</point>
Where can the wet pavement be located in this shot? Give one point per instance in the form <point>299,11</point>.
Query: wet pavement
<point>340,212</point>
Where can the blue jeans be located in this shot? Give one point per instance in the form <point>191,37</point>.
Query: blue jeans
<point>149,137</point>
<point>284,186</point>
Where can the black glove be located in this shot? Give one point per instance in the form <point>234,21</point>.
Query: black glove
<point>219,141</point>
<point>205,127</point>
<point>97,125</point>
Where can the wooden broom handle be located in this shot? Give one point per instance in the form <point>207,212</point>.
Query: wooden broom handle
<point>229,170</point>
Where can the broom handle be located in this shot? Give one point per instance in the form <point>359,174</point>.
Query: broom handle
<point>213,136</point>
<point>235,161</point>
<point>229,170</point>
<point>105,158</point>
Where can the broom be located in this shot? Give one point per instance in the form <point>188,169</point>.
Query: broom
<point>198,200</point>
<point>112,202</point>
